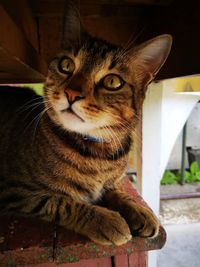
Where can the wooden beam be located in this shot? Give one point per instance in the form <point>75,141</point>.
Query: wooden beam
<point>149,2</point>
<point>13,70</point>
<point>22,15</point>
<point>103,8</point>
<point>18,57</point>
<point>88,9</point>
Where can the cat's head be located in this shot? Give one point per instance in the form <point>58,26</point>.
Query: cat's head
<point>93,86</point>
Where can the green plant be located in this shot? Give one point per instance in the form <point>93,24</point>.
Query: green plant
<point>194,173</point>
<point>187,176</point>
<point>37,87</point>
<point>191,176</point>
<point>169,178</point>
<point>195,170</point>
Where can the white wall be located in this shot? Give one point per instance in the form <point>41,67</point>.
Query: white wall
<point>164,114</point>
<point>192,139</point>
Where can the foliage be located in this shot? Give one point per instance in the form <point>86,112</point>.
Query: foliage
<point>37,87</point>
<point>191,176</point>
<point>169,178</point>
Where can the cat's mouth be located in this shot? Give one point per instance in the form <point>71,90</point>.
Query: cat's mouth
<point>72,113</point>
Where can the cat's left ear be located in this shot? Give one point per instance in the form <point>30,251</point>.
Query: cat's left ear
<point>148,58</point>
<point>73,31</point>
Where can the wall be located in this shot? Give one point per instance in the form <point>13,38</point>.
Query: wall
<point>192,139</point>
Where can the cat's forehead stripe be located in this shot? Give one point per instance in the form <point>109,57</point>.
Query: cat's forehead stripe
<point>97,54</point>
<point>97,47</point>
<point>112,64</point>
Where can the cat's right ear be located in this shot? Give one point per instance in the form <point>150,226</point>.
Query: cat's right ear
<point>73,31</point>
<point>148,58</point>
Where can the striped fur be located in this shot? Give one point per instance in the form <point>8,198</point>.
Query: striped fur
<point>50,170</point>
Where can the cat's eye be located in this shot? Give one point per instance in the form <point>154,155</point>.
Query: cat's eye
<point>113,82</point>
<point>66,65</point>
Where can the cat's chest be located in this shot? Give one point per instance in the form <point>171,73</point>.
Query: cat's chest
<point>87,189</point>
<point>89,185</point>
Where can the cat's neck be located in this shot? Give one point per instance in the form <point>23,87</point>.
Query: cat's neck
<point>86,145</point>
<point>69,135</point>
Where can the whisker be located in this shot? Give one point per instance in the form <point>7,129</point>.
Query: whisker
<point>35,117</point>
<point>128,129</point>
<point>114,146</point>
<point>27,103</point>
<point>119,144</point>
<point>32,108</point>
<point>38,119</point>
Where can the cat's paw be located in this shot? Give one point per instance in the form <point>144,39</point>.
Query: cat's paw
<point>142,221</point>
<point>110,228</point>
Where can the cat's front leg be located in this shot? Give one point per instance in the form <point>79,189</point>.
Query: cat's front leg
<point>141,220</point>
<point>99,224</point>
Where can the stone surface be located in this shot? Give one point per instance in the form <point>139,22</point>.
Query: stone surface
<point>182,248</point>
<point>179,211</point>
<point>181,220</point>
<point>180,189</point>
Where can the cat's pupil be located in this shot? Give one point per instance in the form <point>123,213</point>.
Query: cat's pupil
<point>67,67</point>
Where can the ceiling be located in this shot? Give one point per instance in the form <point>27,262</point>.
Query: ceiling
<point>32,32</point>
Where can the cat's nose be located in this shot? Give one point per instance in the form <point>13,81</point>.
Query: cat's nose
<point>73,96</point>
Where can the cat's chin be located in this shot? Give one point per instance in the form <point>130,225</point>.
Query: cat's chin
<point>73,122</point>
<point>71,115</point>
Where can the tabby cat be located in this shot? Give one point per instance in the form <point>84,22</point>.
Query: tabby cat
<point>62,154</point>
